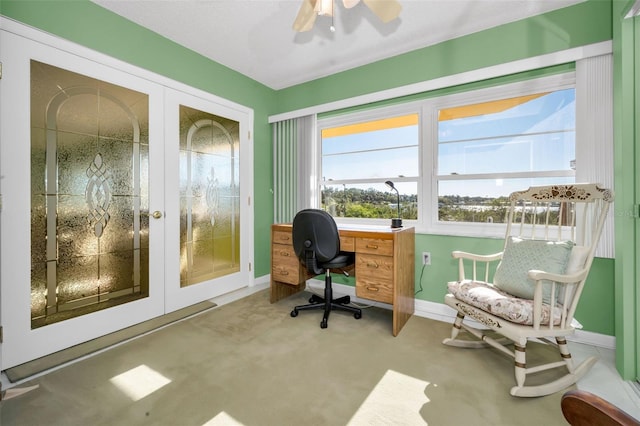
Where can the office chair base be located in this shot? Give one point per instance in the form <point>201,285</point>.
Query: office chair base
<point>315,299</point>
<point>328,304</point>
<point>336,304</point>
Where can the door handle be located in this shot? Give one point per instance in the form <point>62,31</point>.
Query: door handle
<point>156,215</point>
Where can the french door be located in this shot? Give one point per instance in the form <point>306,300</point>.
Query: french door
<point>208,215</point>
<point>122,198</point>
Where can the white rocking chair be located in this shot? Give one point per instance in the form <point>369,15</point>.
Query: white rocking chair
<point>552,234</point>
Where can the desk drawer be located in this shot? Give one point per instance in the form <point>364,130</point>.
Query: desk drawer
<point>374,246</point>
<point>283,253</point>
<point>374,277</point>
<point>287,274</point>
<point>375,289</point>
<point>281,237</point>
<point>347,244</point>
<point>285,266</point>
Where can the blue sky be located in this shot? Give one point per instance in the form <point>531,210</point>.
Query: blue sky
<point>479,144</point>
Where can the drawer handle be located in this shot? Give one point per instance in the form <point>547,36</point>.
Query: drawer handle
<point>374,289</point>
<point>284,272</point>
<point>284,253</point>
<point>285,238</point>
<point>372,246</point>
<point>372,265</point>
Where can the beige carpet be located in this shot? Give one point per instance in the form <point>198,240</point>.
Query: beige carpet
<point>249,363</point>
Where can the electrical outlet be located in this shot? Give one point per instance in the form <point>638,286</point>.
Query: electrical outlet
<point>426,258</point>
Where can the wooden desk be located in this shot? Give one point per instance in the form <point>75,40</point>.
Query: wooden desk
<point>384,266</point>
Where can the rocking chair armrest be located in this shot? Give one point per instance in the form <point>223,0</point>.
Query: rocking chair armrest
<point>561,281</point>
<point>477,257</point>
<point>537,275</point>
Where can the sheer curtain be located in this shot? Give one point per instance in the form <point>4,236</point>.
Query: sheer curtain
<point>295,179</point>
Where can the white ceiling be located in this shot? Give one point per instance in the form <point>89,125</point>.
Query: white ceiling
<point>255,38</point>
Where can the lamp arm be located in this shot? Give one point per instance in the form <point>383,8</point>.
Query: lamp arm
<point>396,222</point>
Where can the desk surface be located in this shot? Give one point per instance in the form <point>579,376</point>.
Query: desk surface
<point>383,232</point>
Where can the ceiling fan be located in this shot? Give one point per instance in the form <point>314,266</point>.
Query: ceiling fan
<point>386,10</point>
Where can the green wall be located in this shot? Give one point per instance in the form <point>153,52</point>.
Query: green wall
<point>626,66</point>
<point>88,24</point>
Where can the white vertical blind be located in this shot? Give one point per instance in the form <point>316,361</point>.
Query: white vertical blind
<point>594,132</point>
<point>294,170</point>
<point>284,187</point>
<point>308,163</point>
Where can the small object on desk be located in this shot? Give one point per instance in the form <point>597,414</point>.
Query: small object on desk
<point>396,222</point>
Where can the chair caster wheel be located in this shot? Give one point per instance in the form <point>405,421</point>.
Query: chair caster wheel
<point>315,299</point>
<point>323,324</point>
<point>357,315</point>
<point>294,313</point>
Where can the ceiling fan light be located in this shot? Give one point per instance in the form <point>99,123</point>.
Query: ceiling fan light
<point>348,4</point>
<point>386,10</point>
<point>324,7</point>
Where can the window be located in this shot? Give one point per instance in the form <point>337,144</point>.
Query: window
<point>359,156</point>
<point>488,150</point>
<point>457,157</point>
<point>471,149</point>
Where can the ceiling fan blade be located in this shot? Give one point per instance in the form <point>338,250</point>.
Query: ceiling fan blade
<point>386,10</point>
<point>348,4</point>
<point>306,16</point>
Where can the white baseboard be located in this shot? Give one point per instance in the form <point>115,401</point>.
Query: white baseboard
<point>441,312</point>
<point>265,279</point>
<point>593,339</point>
<point>259,284</point>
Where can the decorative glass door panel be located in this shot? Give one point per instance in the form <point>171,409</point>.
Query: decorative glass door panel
<point>209,196</point>
<point>89,188</point>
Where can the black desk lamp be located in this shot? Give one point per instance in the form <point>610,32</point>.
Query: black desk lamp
<point>396,222</point>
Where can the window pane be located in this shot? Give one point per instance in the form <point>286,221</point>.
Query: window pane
<point>529,133</point>
<point>483,200</point>
<point>373,200</point>
<point>528,153</point>
<point>553,111</point>
<point>372,164</point>
<point>375,149</point>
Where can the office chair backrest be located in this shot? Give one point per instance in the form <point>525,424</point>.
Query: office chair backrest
<point>315,238</point>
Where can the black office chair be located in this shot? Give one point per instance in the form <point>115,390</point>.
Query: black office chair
<point>316,242</point>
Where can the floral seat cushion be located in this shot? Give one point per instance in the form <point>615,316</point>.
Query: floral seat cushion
<point>489,298</point>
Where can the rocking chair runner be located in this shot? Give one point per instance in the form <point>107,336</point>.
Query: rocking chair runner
<point>552,234</point>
